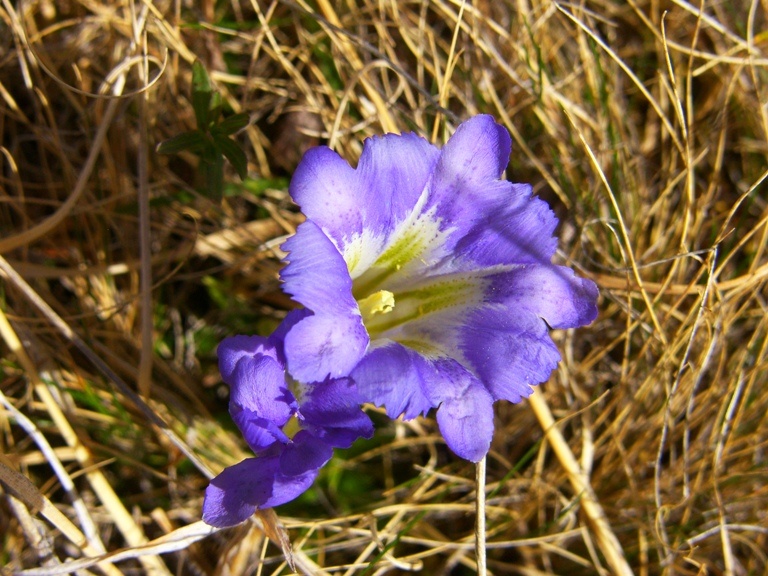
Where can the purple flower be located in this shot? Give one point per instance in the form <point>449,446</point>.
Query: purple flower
<point>265,404</point>
<point>428,279</point>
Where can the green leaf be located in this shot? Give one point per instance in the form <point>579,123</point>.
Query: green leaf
<point>202,93</point>
<point>193,140</point>
<point>201,82</point>
<point>215,108</point>
<point>233,153</point>
<point>232,124</point>
<point>214,176</point>
<point>258,186</point>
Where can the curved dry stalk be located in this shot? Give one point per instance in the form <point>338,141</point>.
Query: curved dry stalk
<point>123,519</point>
<point>606,540</point>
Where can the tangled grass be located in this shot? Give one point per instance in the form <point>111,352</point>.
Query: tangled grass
<point>643,123</point>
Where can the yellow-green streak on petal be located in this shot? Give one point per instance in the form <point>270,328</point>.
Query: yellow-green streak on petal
<point>352,258</point>
<point>424,348</point>
<point>411,244</point>
<point>441,295</point>
<point>408,247</point>
<point>418,302</point>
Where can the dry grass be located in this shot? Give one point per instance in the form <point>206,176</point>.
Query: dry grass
<point>644,124</point>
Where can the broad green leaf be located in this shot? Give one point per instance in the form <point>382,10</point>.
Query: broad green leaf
<point>234,154</point>
<point>193,140</point>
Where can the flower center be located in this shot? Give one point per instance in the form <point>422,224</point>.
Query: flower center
<point>406,269</point>
<point>427,299</point>
<point>381,302</point>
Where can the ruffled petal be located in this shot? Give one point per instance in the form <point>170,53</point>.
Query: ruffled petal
<point>462,194</point>
<point>324,346</point>
<point>333,338</point>
<point>331,411</point>
<point>253,484</point>
<point>509,350</point>
<point>393,170</point>
<point>390,376</point>
<point>260,402</point>
<point>553,293</point>
<point>467,423</point>
<point>518,230</point>
<point>289,487</point>
<point>316,275</point>
<point>327,189</point>
<point>465,413</point>
<point>408,384</point>
<point>391,174</point>
<point>277,338</point>
<point>466,181</point>
<point>258,386</point>
<point>235,494</point>
<point>232,349</point>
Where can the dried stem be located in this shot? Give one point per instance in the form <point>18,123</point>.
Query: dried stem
<point>606,539</point>
<point>480,550</point>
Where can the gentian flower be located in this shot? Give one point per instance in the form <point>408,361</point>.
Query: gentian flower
<point>427,279</point>
<point>266,404</point>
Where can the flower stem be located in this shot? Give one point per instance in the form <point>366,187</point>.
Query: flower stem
<point>480,517</point>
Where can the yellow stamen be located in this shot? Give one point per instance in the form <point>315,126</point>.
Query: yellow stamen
<point>381,302</point>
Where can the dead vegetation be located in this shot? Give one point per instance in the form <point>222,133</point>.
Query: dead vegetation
<point>644,124</point>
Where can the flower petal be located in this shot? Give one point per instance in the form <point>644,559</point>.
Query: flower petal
<point>554,293</point>
<point>277,338</point>
<point>331,410</point>
<point>466,180</point>
<point>324,345</point>
<point>258,385</point>
<point>463,194</point>
<point>390,376</point>
<point>232,349</point>
<point>260,402</point>
<point>289,487</point>
<point>465,413</point>
<point>316,275</point>
<point>326,188</point>
<point>333,339</point>
<point>509,350</point>
<point>393,170</point>
<point>235,494</point>
<point>408,384</point>
<point>260,433</point>
<point>253,484</point>
<point>391,174</point>
<point>305,455</point>
<point>517,230</point>
<point>467,423</point>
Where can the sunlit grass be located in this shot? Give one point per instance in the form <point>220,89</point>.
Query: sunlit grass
<point>644,126</point>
